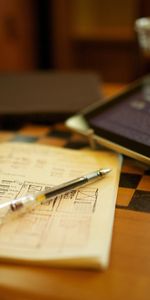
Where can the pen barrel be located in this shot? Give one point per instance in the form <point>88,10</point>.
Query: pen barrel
<point>13,208</point>
<point>64,188</point>
<point>73,184</point>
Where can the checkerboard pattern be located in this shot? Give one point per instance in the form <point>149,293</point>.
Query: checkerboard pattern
<point>134,186</point>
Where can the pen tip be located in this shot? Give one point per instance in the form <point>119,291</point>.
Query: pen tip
<point>105,171</point>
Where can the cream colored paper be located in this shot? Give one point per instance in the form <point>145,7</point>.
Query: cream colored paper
<point>71,230</point>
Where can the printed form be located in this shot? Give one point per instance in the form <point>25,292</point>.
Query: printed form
<point>74,229</point>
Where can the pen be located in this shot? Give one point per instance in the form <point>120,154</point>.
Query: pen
<point>30,201</point>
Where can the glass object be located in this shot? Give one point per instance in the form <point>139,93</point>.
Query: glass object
<point>142,27</point>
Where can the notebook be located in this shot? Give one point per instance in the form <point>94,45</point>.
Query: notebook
<point>46,95</point>
<point>72,230</point>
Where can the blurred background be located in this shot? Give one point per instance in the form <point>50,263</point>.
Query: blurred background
<point>95,35</point>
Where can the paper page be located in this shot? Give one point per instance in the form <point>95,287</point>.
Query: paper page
<point>74,228</point>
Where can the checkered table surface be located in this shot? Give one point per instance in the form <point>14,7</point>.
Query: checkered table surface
<point>134,186</point>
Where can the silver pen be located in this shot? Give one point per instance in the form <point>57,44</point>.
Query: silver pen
<point>28,202</point>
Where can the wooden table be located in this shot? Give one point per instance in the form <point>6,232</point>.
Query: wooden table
<point>128,275</point>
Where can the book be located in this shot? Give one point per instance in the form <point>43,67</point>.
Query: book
<point>71,230</point>
<point>46,95</point>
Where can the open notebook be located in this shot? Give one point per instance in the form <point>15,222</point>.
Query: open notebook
<point>72,230</point>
